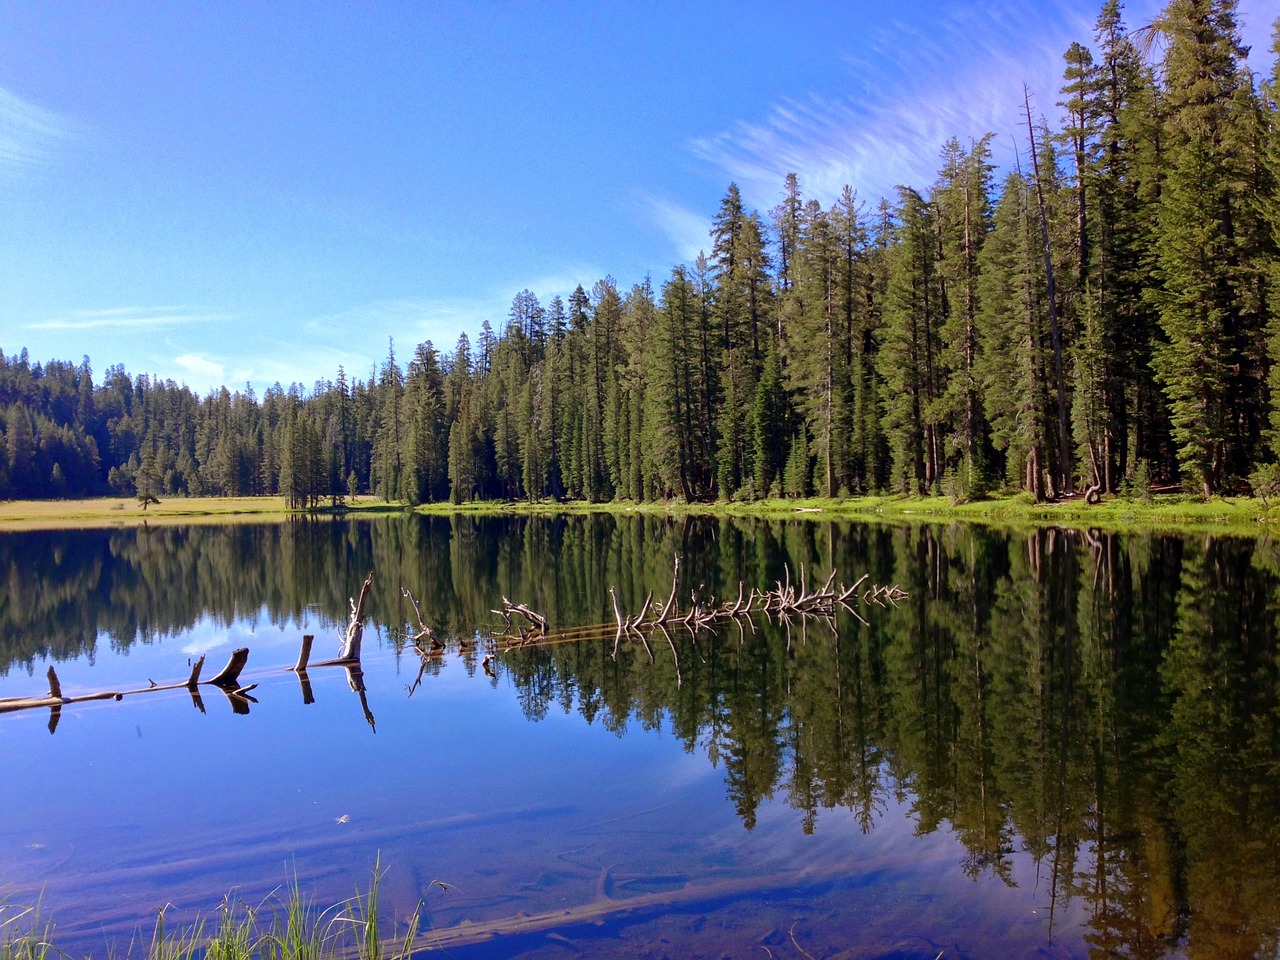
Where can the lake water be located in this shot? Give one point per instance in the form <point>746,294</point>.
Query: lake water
<point>1060,744</point>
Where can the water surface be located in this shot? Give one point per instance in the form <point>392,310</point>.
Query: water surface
<point>1061,744</point>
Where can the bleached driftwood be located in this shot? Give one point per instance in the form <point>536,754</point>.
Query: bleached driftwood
<point>350,650</point>
<point>355,628</point>
<point>786,599</point>
<point>539,625</point>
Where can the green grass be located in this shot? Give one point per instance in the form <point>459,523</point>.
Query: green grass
<point>127,512</point>
<point>1162,512</point>
<point>288,928</point>
<point>24,933</point>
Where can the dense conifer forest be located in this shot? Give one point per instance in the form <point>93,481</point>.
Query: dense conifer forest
<point>1108,311</point>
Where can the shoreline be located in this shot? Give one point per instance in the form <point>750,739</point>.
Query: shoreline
<point>1243,515</point>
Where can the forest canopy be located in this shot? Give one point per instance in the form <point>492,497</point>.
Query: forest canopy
<point>1107,310</point>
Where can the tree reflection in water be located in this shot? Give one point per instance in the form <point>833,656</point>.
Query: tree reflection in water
<point>1107,704</point>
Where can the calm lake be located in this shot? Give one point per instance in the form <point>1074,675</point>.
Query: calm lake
<point>1060,744</point>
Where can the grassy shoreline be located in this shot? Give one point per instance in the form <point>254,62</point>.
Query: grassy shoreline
<point>286,926</point>
<point>1167,512</point>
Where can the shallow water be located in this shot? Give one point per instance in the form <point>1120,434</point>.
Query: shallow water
<point>1060,744</point>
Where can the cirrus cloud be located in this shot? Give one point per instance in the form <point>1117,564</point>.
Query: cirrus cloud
<point>29,134</point>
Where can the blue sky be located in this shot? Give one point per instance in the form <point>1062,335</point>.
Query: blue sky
<point>250,193</point>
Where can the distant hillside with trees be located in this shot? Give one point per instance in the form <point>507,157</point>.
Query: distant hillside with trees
<point>1109,309</point>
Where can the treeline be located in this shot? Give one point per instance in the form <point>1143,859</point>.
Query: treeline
<point>1108,312</point>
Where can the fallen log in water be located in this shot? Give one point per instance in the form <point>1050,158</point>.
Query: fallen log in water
<point>785,599</point>
<point>605,906</point>
<point>227,680</point>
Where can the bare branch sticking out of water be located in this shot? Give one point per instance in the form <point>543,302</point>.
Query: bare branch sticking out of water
<point>355,628</point>
<point>434,643</point>
<point>787,598</point>
<point>539,623</point>
<point>229,676</point>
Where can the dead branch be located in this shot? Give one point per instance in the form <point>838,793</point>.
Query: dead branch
<point>643,610</point>
<point>616,612</point>
<point>229,677</point>
<point>435,644</point>
<point>304,653</point>
<point>355,628</point>
<point>675,586</point>
<point>539,622</point>
<point>194,680</point>
<point>849,592</point>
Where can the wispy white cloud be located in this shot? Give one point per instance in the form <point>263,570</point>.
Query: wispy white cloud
<point>29,134</point>
<point>686,229</point>
<point>910,88</point>
<point>202,645</point>
<point>301,362</point>
<point>443,319</point>
<point>123,319</point>
<point>202,367</point>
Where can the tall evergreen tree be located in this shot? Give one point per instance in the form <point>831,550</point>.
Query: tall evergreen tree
<point>1012,328</point>
<point>909,360</point>
<point>388,466</point>
<point>1209,365</point>
<point>964,219</point>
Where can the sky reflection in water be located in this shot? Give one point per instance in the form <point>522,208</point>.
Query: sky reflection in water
<point>503,789</point>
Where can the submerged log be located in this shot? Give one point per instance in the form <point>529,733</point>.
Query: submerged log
<point>604,906</point>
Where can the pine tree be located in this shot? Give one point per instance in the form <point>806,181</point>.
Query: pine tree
<point>1012,329</point>
<point>639,317</point>
<point>786,222</point>
<point>463,466</point>
<point>817,348</point>
<point>964,219</point>
<point>1270,208</point>
<point>426,447</point>
<point>20,448</point>
<point>1123,174</point>
<point>1207,366</point>
<point>909,361</point>
<point>770,426</point>
<point>146,480</point>
<point>734,459</point>
<point>670,393</point>
<point>388,445</point>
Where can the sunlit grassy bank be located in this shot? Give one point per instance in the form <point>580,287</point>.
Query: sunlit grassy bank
<point>1161,512</point>
<point>1172,512</point>
<point>120,512</point>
